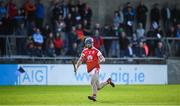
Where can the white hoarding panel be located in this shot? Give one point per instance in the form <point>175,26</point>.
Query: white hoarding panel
<point>53,74</point>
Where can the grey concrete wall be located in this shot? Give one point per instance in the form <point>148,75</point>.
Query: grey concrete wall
<point>173,71</point>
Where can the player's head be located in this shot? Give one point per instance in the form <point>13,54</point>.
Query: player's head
<point>89,42</point>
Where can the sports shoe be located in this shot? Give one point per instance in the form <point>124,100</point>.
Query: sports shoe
<point>92,98</point>
<point>110,82</point>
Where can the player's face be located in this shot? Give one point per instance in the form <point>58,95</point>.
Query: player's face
<point>89,45</point>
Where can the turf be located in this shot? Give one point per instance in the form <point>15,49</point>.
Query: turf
<point>77,95</point>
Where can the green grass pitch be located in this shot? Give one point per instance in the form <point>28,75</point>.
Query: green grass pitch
<point>77,95</point>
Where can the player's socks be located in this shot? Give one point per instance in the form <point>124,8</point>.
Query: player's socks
<point>110,82</point>
<point>94,96</point>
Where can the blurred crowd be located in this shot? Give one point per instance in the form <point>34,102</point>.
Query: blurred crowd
<point>69,23</point>
<point>129,24</point>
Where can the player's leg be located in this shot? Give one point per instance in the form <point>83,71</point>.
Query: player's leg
<point>93,84</point>
<point>101,85</point>
<point>94,87</point>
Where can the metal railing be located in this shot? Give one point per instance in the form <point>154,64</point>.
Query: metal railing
<point>171,45</point>
<point>67,59</point>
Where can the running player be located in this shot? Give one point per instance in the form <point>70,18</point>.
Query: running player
<point>93,57</point>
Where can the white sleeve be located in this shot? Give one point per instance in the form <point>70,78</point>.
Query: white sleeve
<point>99,53</point>
<point>82,54</point>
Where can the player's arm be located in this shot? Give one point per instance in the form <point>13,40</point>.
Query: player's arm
<point>101,57</point>
<point>80,60</point>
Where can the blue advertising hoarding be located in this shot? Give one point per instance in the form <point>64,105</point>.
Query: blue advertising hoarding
<point>8,74</point>
<point>62,74</point>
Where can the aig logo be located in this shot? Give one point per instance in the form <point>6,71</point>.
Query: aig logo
<point>34,75</point>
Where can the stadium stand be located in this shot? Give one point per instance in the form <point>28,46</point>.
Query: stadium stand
<point>70,22</point>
